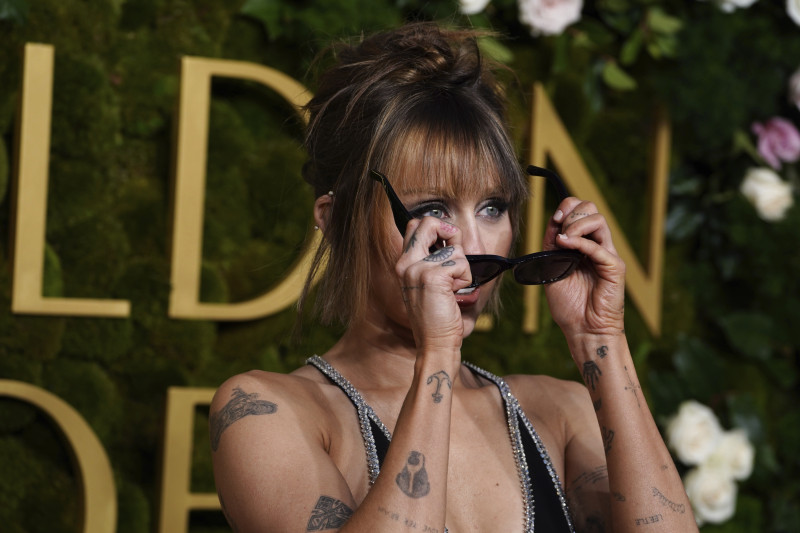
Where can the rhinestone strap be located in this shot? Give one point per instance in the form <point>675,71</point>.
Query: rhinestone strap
<point>514,412</point>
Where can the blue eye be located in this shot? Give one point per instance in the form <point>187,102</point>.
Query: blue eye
<point>494,208</point>
<point>430,209</point>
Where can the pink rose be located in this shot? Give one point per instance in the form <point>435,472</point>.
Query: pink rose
<point>549,17</point>
<point>778,140</point>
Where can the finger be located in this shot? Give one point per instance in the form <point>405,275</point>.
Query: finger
<point>427,234</point>
<point>555,224</point>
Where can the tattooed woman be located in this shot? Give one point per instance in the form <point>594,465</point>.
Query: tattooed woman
<point>389,431</point>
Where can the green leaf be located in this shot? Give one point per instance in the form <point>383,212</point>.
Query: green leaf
<point>617,78</point>
<point>699,367</point>
<point>660,22</point>
<point>630,50</point>
<point>749,334</point>
<point>14,10</point>
<point>268,12</point>
<point>496,50</point>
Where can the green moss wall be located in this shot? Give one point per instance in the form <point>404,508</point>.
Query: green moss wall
<point>730,328</point>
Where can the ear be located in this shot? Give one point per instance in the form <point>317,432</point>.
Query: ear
<point>322,211</point>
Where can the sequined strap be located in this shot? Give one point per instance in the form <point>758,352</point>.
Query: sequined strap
<point>516,418</point>
<point>365,415</point>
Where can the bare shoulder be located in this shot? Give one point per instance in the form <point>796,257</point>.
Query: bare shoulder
<point>264,398</point>
<point>559,394</point>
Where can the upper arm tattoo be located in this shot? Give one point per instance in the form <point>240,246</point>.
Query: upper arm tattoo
<point>329,513</point>
<point>240,405</point>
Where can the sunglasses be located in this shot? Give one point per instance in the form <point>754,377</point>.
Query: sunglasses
<point>532,269</point>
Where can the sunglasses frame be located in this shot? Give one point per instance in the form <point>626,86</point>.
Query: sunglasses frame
<point>402,217</point>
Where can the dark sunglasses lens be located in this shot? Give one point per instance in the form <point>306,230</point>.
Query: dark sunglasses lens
<point>545,269</point>
<point>483,271</point>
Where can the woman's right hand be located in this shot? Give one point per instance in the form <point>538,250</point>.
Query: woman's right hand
<point>429,281</point>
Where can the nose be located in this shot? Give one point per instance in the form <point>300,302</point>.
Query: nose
<point>471,237</point>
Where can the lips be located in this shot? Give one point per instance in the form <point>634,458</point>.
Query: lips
<point>468,297</point>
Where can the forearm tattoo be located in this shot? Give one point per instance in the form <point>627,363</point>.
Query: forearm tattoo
<point>441,377</point>
<point>608,436</point>
<point>677,507</point>
<point>602,352</point>
<point>633,387</point>
<point>440,255</point>
<point>591,373</point>
<point>241,405</point>
<point>329,513</point>
<point>413,479</point>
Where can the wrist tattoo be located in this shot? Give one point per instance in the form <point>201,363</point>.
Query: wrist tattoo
<point>591,373</point>
<point>602,352</point>
<point>440,377</point>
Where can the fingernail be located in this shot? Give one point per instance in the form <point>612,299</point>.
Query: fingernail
<point>558,215</point>
<point>449,228</point>
<point>563,236</point>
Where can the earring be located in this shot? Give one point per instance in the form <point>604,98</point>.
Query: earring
<point>330,193</point>
<point>316,228</point>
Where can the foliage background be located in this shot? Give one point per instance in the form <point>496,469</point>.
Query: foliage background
<point>731,332</point>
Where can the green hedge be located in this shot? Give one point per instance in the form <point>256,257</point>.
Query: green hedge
<point>731,330</point>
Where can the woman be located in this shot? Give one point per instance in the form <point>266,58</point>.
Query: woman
<point>388,430</point>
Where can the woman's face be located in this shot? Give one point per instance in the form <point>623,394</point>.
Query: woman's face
<point>482,217</point>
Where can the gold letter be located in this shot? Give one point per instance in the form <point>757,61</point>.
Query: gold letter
<point>31,199</point>
<point>190,178</point>
<point>94,470</point>
<point>176,499</point>
<point>549,138</point>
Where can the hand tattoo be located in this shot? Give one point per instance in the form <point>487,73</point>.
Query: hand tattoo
<point>442,254</point>
<point>241,405</point>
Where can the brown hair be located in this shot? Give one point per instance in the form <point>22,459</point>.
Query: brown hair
<point>421,105</point>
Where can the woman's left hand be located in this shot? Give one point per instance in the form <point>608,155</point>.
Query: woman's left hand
<point>592,299</point>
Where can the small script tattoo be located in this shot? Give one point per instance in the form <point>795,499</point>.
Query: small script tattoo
<point>440,377</point>
<point>442,254</point>
<point>608,436</point>
<point>676,507</point>
<point>241,405</point>
<point>602,352</point>
<point>591,373</point>
<point>633,387</point>
<point>413,479</point>
<point>329,513</point>
<point>648,520</point>
<point>589,478</point>
<point>448,263</point>
<point>408,522</point>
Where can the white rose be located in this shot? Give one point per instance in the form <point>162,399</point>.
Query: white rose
<point>794,88</point>
<point>549,17</point>
<point>712,494</point>
<point>769,194</point>
<point>793,9</point>
<point>734,454</point>
<point>693,433</point>
<point>471,7</point>
<point>729,6</point>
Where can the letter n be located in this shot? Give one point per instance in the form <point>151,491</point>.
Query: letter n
<point>549,139</point>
